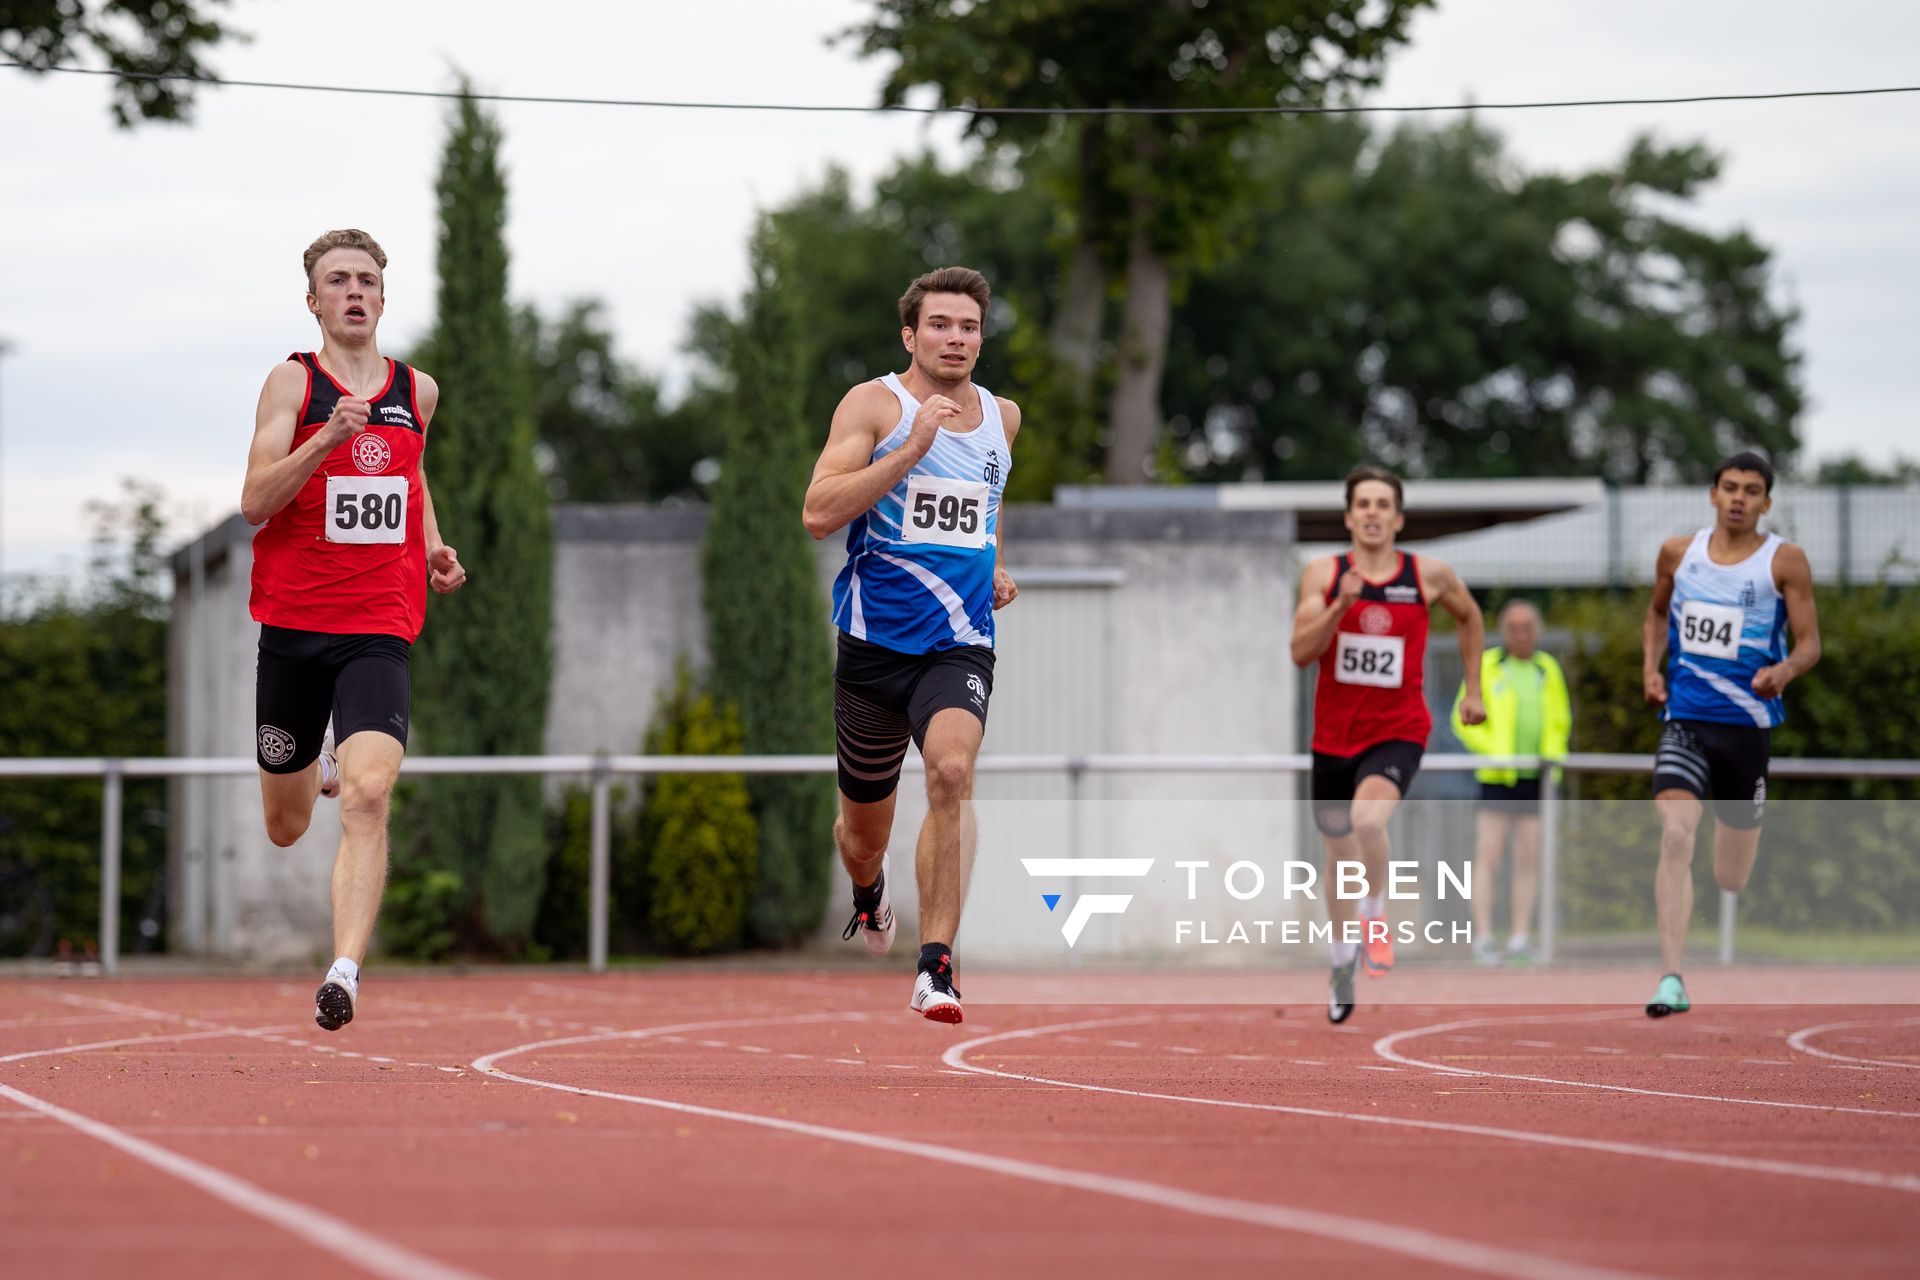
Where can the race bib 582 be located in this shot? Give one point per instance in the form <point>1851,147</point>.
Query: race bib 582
<point>1376,660</point>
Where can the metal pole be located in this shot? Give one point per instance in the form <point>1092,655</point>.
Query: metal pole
<point>1076,777</point>
<point>6,349</point>
<point>110,806</point>
<point>1729,901</point>
<point>599,866</point>
<point>1549,863</point>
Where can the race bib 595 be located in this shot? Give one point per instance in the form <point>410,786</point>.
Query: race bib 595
<point>952,513</point>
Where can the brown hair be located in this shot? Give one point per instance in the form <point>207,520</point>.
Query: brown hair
<point>946,280</point>
<point>350,238</point>
<point>1367,471</point>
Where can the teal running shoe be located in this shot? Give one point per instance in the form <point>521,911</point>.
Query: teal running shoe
<point>1669,997</point>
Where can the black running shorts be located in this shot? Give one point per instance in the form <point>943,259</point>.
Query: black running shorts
<point>1521,799</point>
<point>362,681</point>
<point>1724,763</point>
<point>882,698</point>
<point>1336,778</point>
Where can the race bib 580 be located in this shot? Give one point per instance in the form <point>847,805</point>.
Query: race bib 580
<point>366,508</point>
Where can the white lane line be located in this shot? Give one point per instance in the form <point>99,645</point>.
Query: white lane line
<point>1308,1062</point>
<point>752,1048</point>
<point>318,1228</point>
<point>1370,1067</point>
<point>1180,1048</point>
<point>1246,1057</point>
<point>1848,1066</point>
<point>1124,1044</point>
<point>1601,1048</point>
<point>1799,1040</point>
<point>1744,1164</point>
<point>1384,1236</point>
<point>1766,1062</point>
<point>1535,1044</point>
<point>1384,1047</point>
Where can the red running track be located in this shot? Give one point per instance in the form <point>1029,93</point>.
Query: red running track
<point>746,1123</point>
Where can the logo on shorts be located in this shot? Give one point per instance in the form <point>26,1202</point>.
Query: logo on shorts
<point>1092,904</point>
<point>276,745</point>
<point>1392,771</point>
<point>1376,620</point>
<point>991,472</point>
<point>370,453</point>
<point>1759,797</point>
<point>978,688</point>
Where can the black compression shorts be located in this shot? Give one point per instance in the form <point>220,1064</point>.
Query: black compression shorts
<point>1724,763</point>
<point>881,698</point>
<point>1336,778</point>
<point>362,681</point>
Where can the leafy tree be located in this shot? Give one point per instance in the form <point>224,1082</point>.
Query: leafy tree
<point>134,37</point>
<point>766,615</point>
<point>1851,468</point>
<point>1146,192</point>
<point>606,433</point>
<point>483,662</point>
<point>1419,298</point>
<point>86,675</point>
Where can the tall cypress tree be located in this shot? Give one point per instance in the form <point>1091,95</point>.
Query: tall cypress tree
<point>766,618</point>
<point>484,659</point>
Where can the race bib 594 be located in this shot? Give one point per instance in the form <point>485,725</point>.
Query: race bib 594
<point>1711,630</point>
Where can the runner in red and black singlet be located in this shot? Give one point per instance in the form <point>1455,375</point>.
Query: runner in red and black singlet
<point>1363,618</point>
<point>341,566</point>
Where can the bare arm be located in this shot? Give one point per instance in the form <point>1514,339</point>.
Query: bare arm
<point>1794,576</point>
<point>1452,595</point>
<point>275,470</point>
<point>1653,630</point>
<point>1005,590</point>
<point>445,573</point>
<point>846,480</point>
<point>1315,619</point>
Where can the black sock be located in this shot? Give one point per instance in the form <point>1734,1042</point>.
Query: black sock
<point>936,957</point>
<point>867,897</point>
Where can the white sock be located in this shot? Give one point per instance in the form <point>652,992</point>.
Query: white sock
<point>1373,906</point>
<point>329,771</point>
<point>1517,942</point>
<point>1344,953</point>
<point>346,971</point>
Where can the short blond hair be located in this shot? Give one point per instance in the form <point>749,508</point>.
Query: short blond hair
<point>349,238</point>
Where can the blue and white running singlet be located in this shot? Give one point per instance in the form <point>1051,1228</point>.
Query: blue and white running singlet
<point>919,571</point>
<point>1725,623</point>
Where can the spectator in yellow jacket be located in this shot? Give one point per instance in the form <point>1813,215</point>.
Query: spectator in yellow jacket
<point>1528,713</point>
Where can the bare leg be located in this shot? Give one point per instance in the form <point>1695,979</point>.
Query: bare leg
<point>1734,851</point>
<point>1374,801</point>
<point>1673,883</point>
<point>943,858</point>
<point>1490,842</point>
<point>369,763</point>
<point>861,835</point>
<point>1526,873</point>
<point>288,800</point>
<point>1340,911</point>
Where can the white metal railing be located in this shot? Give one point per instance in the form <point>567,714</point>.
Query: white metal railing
<point>601,770</point>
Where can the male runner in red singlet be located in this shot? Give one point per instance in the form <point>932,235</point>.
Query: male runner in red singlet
<point>1363,618</point>
<point>340,571</point>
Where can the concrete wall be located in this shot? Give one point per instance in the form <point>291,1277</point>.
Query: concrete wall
<point>1136,631</point>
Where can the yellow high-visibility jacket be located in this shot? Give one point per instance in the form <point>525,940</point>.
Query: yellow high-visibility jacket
<point>1495,737</point>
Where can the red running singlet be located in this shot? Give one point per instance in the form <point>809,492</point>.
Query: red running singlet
<point>348,556</point>
<point>1371,684</point>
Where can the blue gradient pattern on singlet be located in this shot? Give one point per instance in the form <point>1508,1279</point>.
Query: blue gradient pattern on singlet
<point>920,597</point>
<point>1720,690</point>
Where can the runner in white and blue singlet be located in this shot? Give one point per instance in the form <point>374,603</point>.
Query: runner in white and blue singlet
<point>914,469</point>
<point>1723,599</point>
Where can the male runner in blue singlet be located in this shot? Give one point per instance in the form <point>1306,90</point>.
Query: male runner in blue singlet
<point>1723,599</point>
<point>914,468</point>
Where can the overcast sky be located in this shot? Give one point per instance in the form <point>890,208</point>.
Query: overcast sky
<point>151,278</point>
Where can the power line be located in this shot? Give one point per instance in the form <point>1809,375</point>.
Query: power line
<point>901,109</point>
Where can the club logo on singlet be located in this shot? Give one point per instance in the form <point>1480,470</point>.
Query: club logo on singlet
<point>1376,621</point>
<point>991,472</point>
<point>371,454</point>
<point>276,745</point>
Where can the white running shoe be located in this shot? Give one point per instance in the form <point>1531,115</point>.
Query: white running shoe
<point>329,769</point>
<point>934,998</point>
<point>333,1003</point>
<point>874,923</point>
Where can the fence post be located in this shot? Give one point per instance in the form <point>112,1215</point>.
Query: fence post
<point>1076,776</point>
<point>600,861</point>
<point>110,807</point>
<point>1729,902</point>
<point>1549,863</point>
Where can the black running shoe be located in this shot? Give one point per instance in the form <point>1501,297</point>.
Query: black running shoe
<point>333,1003</point>
<point>1340,991</point>
<point>872,915</point>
